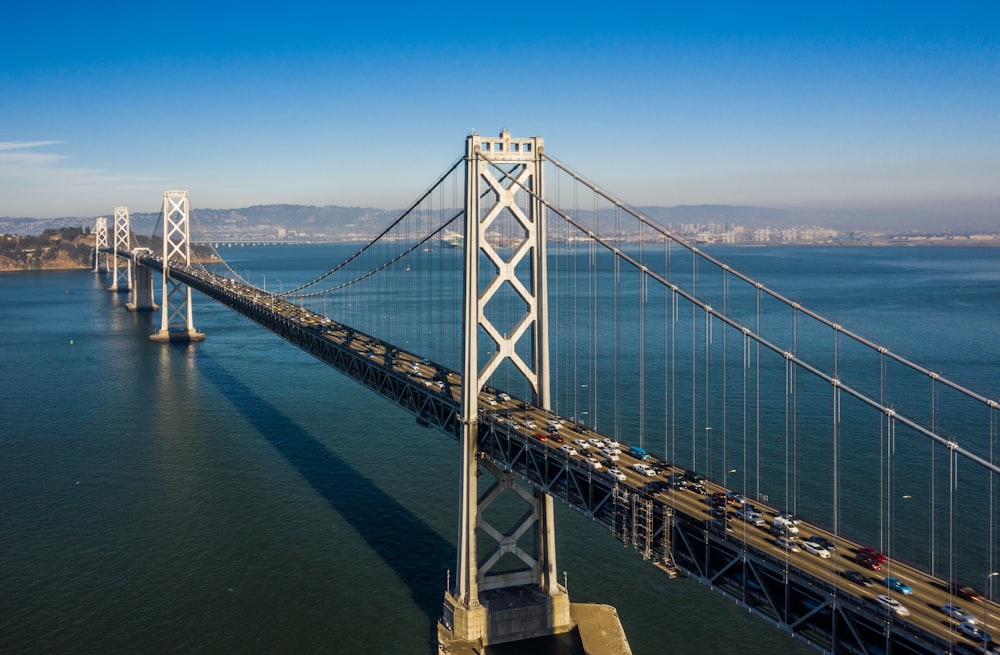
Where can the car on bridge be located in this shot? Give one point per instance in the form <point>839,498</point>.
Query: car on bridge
<point>898,585</point>
<point>824,542</point>
<point>693,476</point>
<point>617,474</point>
<point>966,592</point>
<point>752,517</point>
<point>644,469</point>
<point>540,436</point>
<point>639,453</point>
<point>815,549</point>
<point>735,498</point>
<point>974,632</point>
<point>594,464</point>
<point>858,578</point>
<point>956,612</point>
<point>873,553</point>
<point>657,486</point>
<point>868,562</point>
<point>613,455</point>
<point>892,605</point>
<point>569,450</point>
<point>787,544</point>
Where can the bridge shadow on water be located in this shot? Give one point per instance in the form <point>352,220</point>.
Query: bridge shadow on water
<point>345,489</point>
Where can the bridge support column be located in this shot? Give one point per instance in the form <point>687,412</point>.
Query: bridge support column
<point>143,299</point>
<point>177,317</point>
<point>513,593</point>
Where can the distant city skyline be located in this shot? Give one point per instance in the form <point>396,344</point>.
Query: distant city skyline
<point>847,107</point>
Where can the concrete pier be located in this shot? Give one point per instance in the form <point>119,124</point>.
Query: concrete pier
<point>596,627</point>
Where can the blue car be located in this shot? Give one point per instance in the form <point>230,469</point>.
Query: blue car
<point>898,585</point>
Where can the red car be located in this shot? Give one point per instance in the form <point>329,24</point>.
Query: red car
<point>966,592</point>
<point>872,553</point>
<point>541,437</point>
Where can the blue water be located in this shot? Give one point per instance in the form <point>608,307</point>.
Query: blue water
<point>238,496</point>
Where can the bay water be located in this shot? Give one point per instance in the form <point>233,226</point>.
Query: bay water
<point>238,496</point>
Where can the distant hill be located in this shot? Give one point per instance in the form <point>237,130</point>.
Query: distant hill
<point>337,222</point>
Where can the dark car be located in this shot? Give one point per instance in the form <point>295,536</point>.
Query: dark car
<point>657,486</point>
<point>698,488</point>
<point>718,499</point>
<point>858,578</point>
<point>693,476</point>
<point>718,512</point>
<point>867,561</point>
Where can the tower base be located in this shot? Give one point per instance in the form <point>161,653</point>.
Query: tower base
<point>176,336</point>
<point>132,307</point>
<point>505,615</point>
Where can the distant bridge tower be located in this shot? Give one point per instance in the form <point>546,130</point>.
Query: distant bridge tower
<point>482,606</point>
<point>177,318</point>
<point>100,241</point>
<point>123,243</point>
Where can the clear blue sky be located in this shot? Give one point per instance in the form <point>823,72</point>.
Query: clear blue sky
<point>823,105</point>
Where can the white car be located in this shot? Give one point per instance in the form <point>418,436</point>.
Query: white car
<point>503,397</point>
<point>752,517</point>
<point>611,444</point>
<point>568,449</point>
<point>956,612</point>
<point>490,400</point>
<point>815,549</point>
<point>530,425</point>
<point>787,544</point>
<point>892,605</point>
<point>613,455</point>
<point>597,443</point>
<point>582,443</point>
<point>644,469</point>
<point>617,475</point>
<point>594,464</point>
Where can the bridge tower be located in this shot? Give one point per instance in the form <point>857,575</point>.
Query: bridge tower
<point>100,241</point>
<point>123,242</point>
<point>177,318</point>
<point>482,606</point>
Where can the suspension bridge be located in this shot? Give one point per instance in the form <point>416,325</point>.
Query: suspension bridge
<point>579,352</point>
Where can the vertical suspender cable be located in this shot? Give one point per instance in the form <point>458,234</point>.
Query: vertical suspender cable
<point>616,287</point>
<point>694,364</point>
<point>757,406</point>
<point>725,385</point>
<point>932,518</point>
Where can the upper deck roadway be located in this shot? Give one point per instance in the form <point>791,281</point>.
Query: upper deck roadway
<point>798,592</point>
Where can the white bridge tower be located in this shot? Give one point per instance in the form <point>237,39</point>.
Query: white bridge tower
<point>478,605</point>
<point>177,318</point>
<point>100,241</point>
<point>122,278</point>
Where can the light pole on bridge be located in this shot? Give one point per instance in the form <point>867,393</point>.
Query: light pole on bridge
<point>986,604</point>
